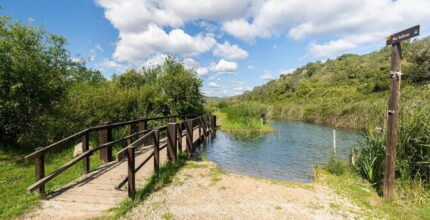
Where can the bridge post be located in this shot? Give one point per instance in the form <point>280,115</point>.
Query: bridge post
<point>105,135</point>
<point>214,121</point>
<point>131,173</point>
<point>180,128</point>
<point>40,171</point>
<point>200,129</point>
<point>143,125</point>
<point>205,125</point>
<point>85,148</point>
<point>156,150</point>
<point>189,137</point>
<point>171,141</point>
<point>129,132</point>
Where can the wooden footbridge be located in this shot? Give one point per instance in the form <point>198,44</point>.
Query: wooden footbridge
<point>145,147</point>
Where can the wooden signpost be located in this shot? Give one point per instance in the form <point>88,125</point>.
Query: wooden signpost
<point>393,106</point>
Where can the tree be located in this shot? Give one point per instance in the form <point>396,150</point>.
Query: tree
<point>33,72</point>
<point>182,88</point>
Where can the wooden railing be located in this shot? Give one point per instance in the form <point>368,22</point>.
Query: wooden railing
<point>173,141</point>
<point>142,132</point>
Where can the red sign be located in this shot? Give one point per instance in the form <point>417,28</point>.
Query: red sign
<point>403,35</point>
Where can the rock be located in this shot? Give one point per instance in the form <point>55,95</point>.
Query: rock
<point>78,150</point>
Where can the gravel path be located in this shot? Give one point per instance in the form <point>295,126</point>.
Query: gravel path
<point>203,191</point>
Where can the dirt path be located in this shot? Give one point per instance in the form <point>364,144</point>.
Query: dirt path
<point>203,191</point>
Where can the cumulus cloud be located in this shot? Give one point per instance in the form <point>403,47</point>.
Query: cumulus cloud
<point>267,76</point>
<point>134,47</point>
<point>190,63</point>
<point>142,24</point>
<point>353,23</point>
<point>229,51</point>
<point>213,85</point>
<point>110,65</point>
<point>155,61</point>
<point>224,67</point>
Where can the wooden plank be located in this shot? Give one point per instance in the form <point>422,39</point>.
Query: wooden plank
<point>403,35</point>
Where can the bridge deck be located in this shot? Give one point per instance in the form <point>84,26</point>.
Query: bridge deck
<point>91,195</point>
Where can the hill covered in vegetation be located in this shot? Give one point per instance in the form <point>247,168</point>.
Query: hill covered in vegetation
<point>350,91</point>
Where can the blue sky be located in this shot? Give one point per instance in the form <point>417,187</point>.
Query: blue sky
<point>232,45</point>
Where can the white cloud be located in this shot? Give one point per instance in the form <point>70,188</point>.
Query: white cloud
<point>213,85</point>
<point>352,23</point>
<point>190,63</point>
<point>239,86</point>
<point>133,47</point>
<point>331,48</point>
<point>287,71</point>
<point>229,51</point>
<point>110,65</point>
<point>224,67</point>
<point>346,24</point>
<point>213,78</point>
<point>155,61</point>
<point>267,76</point>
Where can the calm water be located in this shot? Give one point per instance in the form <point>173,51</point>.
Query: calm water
<point>289,153</point>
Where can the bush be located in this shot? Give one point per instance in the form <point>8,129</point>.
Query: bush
<point>335,165</point>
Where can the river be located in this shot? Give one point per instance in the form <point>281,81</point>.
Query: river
<point>288,153</point>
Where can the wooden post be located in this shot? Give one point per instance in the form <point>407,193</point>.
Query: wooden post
<point>214,121</point>
<point>189,137</point>
<point>156,150</point>
<point>143,125</point>
<point>129,132</point>
<point>334,142</point>
<point>180,128</point>
<point>105,135</point>
<point>40,172</point>
<point>171,141</point>
<point>85,148</point>
<point>393,113</point>
<point>131,173</point>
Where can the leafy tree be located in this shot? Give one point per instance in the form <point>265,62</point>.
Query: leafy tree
<point>33,72</point>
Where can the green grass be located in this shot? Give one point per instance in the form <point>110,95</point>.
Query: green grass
<point>156,182</point>
<point>241,126</point>
<point>361,193</point>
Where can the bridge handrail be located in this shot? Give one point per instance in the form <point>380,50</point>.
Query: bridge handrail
<point>41,151</point>
<point>154,133</point>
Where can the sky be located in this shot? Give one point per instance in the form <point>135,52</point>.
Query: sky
<point>233,45</point>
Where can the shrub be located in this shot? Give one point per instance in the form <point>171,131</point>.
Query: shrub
<point>335,165</point>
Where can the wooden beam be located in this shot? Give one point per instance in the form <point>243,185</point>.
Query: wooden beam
<point>393,113</point>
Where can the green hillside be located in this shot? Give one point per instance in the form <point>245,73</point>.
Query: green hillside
<point>350,91</point>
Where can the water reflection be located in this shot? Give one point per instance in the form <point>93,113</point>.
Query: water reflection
<point>288,153</point>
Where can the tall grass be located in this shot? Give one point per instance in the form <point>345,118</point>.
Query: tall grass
<point>244,118</point>
<point>413,151</point>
